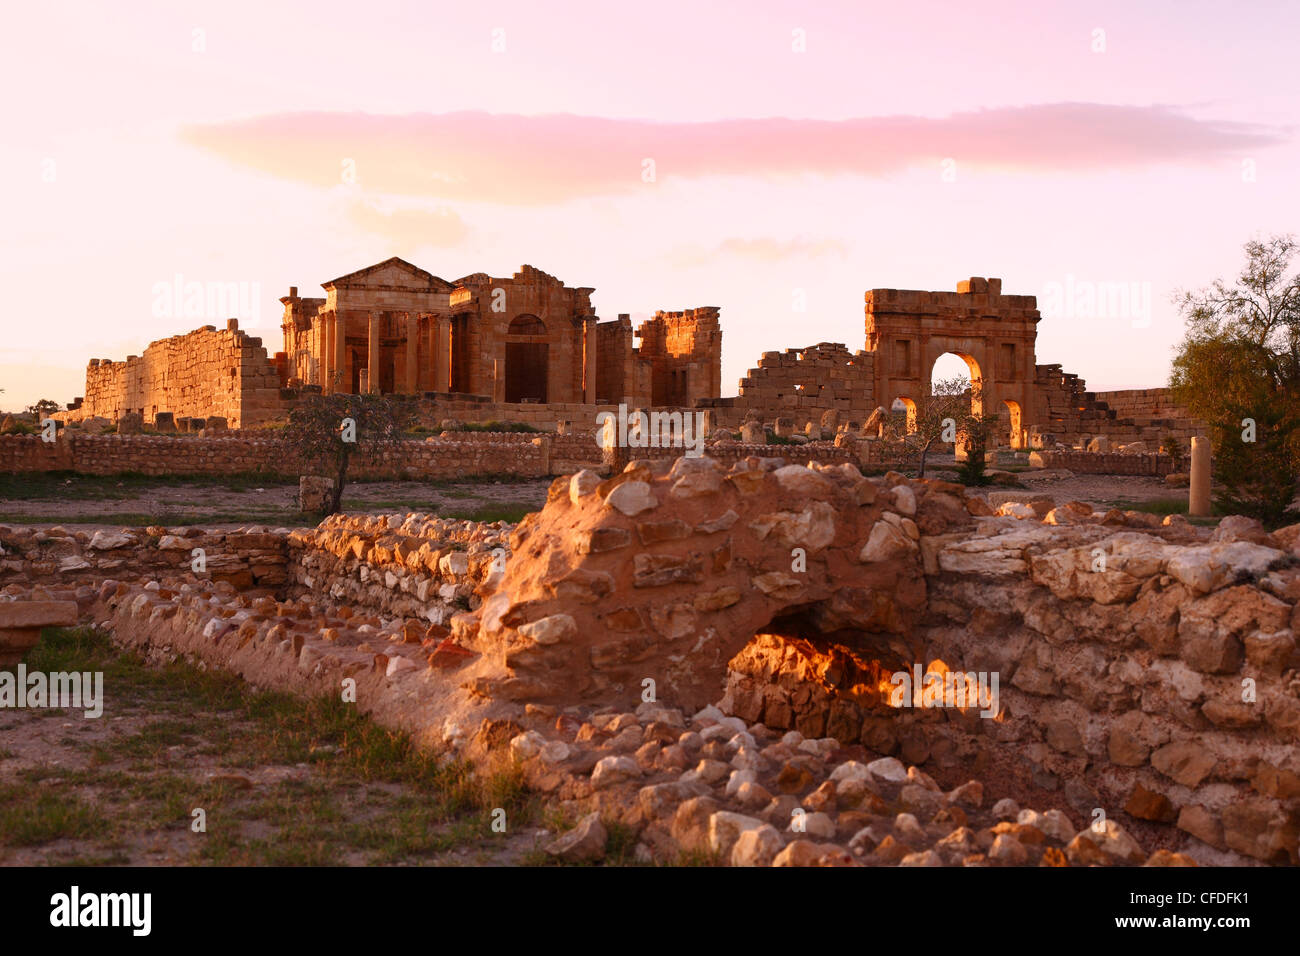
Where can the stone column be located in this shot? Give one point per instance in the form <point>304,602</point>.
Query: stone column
<point>589,377</point>
<point>412,348</point>
<point>372,356</point>
<point>441,353</point>
<point>1198,501</point>
<point>340,365</point>
<point>325,326</point>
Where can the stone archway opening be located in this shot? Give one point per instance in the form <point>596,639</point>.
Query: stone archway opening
<point>527,360</point>
<point>902,410</point>
<point>794,675</point>
<point>1016,426</point>
<point>951,367</point>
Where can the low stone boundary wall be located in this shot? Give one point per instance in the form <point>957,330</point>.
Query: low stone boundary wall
<point>452,455</point>
<point>1111,463</point>
<point>527,456</point>
<point>408,566</point>
<point>254,558</point>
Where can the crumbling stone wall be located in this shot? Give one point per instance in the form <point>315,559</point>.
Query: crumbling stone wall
<point>684,350</point>
<point>1154,412</point>
<point>621,375</point>
<point>244,559</point>
<point>1161,687</point>
<point>804,384</point>
<point>1143,403</point>
<point>407,566</point>
<point>1144,672</point>
<point>449,455</point>
<point>654,573</point>
<point>203,373</point>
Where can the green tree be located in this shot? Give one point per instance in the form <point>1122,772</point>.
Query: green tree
<point>974,432</point>
<point>42,409</point>
<point>326,432</point>
<point>1238,371</point>
<point>938,418</point>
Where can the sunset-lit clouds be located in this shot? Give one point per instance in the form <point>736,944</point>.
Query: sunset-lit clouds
<point>303,141</point>
<point>525,160</point>
<point>407,227</point>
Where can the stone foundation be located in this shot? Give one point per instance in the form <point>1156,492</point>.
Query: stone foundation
<point>1149,673</point>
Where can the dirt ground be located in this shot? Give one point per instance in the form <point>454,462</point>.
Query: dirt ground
<point>88,502</point>
<point>279,780</point>
<point>1100,491</point>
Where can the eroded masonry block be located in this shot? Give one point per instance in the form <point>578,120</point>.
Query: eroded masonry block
<point>21,623</point>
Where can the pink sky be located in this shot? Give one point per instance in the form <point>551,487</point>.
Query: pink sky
<point>210,140</point>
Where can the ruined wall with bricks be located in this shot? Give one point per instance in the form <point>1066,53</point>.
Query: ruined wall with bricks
<point>409,566</point>
<point>1143,403</point>
<point>1073,414</point>
<point>804,384</point>
<point>1121,686</point>
<point>71,559</point>
<point>1121,689</point>
<point>527,456</point>
<point>684,350</point>
<point>1153,410</point>
<point>621,375</point>
<point>450,455</point>
<point>202,373</point>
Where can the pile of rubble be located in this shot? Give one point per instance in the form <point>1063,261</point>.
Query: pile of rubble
<point>714,787</point>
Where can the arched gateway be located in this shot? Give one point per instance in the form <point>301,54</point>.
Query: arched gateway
<point>908,330</point>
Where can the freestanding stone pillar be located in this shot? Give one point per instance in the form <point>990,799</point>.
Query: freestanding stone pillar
<point>1198,503</point>
<point>589,374</point>
<point>372,359</point>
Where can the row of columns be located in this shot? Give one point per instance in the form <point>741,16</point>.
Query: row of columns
<point>332,350</point>
<point>332,353</point>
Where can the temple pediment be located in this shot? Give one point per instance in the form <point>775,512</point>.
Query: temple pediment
<point>394,273</point>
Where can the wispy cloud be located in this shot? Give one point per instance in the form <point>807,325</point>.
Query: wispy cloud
<point>516,159</point>
<point>408,227</point>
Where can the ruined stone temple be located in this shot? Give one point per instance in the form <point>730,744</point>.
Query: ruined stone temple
<point>528,338</point>
<point>530,348</point>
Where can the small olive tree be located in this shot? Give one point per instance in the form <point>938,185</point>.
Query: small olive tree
<point>1238,371</point>
<point>325,432</point>
<point>942,417</point>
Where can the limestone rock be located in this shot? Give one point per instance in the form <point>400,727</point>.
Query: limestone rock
<point>584,843</point>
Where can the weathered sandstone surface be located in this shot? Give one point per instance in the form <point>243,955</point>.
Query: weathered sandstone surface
<point>1145,669</point>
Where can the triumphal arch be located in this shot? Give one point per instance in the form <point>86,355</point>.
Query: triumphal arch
<point>908,330</point>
